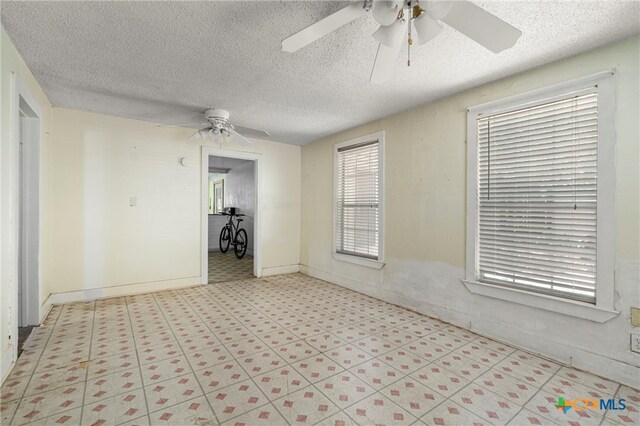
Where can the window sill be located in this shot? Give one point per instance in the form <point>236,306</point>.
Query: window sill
<point>369,263</point>
<point>542,301</point>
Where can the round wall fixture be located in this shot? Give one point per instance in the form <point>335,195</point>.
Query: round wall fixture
<point>184,161</point>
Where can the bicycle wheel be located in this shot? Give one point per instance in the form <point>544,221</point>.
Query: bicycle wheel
<point>225,239</point>
<point>240,246</point>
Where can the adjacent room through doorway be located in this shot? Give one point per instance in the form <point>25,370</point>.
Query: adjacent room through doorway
<point>231,209</point>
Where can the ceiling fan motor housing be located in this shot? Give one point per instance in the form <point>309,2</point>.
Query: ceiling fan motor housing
<point>216,114</point>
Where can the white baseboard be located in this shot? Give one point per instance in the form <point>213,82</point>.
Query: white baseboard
<point>45,309</point>
<point>121,290</point>
<point>279,270</point>
<point>538,345</point>
<point>6,365</point>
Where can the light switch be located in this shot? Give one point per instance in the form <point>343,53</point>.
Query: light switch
<point>133,201</point>
<point>635,317</point>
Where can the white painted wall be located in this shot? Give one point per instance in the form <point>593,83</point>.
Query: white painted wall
<point>104,245</point>
<point>425,193</point>
<point>13,68</point>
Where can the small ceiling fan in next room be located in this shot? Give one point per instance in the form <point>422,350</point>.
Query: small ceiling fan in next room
<point>417,21</point>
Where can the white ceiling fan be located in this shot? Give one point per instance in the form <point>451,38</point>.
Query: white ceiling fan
<point>396,18</point>
<point>219,129</point>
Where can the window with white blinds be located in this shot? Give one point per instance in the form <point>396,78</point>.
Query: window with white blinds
<point>537,197</point>
<point>357,211</point>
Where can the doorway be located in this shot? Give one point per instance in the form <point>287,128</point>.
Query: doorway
<point>230,194</point>
<point>28,137</point>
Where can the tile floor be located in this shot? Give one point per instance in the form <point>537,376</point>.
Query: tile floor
<point>227,267</point>
<point>283,350</point>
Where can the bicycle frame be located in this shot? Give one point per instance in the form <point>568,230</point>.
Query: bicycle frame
<point>233,229</point>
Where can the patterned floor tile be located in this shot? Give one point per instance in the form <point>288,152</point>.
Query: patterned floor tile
<point>306,406</point>
<point>7,410</point>
<point>348,355</point>
<point>266,415</point>
<point>439,379</point>
<point>376,373</point>
<point>236,399</point>
<point>486,404</point>
<point>374,345</point>
<point>70,417</point>
<point>629,416</point>
<point>462,366</point>
<point>317,367</point>
<point>220,375</point>
<point>112,364</point>
<point>570,389</point>
<point>544,404</point>
<point>528,373</point>
<point>339,419</point>
<point>165,369</point>
<point>113,384</point>
<point>280,382</point>
<point>244,347</point>
<point>171,392</point>
<point>325,341</point>
<point>208,357</point>
<point>194,411</point>
<point>227,267</point>
<point>296,351</point>
<point>307,329</point>
<point>261,362</point>
<point>115,409</point>
<point>529,418</point>
<point>278,337</point>
<point>413,396</point>
<point>507,387</point>
<point>590,380</point>
<point>344,389</point>
<point>379,410</point>
<point>451,414</point>
<point>47,404</point>
<point>403,360</point>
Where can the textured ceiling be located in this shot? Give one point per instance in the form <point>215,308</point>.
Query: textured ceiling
<point>166,61</point>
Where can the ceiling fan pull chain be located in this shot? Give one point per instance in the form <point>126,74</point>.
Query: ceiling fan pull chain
<point>409,42</point>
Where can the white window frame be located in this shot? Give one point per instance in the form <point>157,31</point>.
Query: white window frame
<point>358,260</point>
<point>603,310</point>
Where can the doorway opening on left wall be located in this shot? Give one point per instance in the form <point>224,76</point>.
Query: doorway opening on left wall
<point>28,307</point>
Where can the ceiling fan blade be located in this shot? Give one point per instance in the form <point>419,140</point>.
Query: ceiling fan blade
<point>251,132</point>
<point>238,138</point>
<point>384,64</point>
<point>481,26</point>
<point>323,27</point>
<point>202,123</point>
<point>200,134</point>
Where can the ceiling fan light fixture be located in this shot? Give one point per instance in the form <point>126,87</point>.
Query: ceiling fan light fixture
<point>386,12</point>
<point>392,35</point>
<point>426,27</point>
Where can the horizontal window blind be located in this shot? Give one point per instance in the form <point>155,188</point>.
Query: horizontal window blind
<point>357,215</point>
<point>537,198</point>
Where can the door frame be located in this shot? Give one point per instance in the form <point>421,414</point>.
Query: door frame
<point>208,151</point>
<point>30,253</point>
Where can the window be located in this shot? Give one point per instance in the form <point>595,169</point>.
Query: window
<point>537,192</point>
<point>358,197</point>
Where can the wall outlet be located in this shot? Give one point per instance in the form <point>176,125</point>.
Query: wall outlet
<point>635,342</point>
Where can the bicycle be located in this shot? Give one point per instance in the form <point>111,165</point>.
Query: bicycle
<point>231,233</point>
